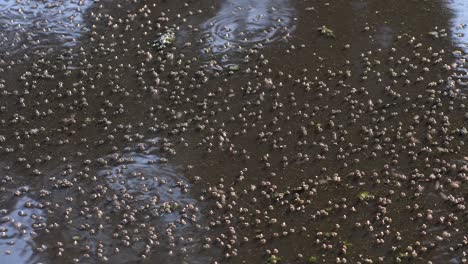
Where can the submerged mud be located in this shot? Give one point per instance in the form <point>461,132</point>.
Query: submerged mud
<point>233,132</point>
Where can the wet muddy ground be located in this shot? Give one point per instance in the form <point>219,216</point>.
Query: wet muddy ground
<point>233,131</point>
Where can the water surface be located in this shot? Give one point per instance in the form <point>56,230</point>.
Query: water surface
<point>334,145</point>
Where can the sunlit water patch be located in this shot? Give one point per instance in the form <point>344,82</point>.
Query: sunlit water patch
<point>244,24</point>
<point>17,230</point>
<point>27,25</point>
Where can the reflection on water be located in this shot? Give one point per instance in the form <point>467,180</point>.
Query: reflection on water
<point>17,227</point>
<point>459,22</point>
<point>142,178</point>
<point>384,36</point>
<point>360,6</point>
<point>139,178</point>
<point>241,24</point>
<point>26,23</point>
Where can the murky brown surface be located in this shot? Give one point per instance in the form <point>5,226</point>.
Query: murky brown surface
<point>233,131</point>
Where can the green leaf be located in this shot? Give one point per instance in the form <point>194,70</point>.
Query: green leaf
<point>365,196</point>
<point>326,32</point>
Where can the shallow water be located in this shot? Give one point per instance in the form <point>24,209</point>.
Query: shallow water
<point>241,25</point>
<point>459,23</point>
<point>144,180</point>
<point>18,226</point>
<point>264,132</point>
<point>27,25</point>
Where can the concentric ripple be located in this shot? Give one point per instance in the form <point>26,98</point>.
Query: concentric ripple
<point>240,24</point>
<point>141,178</point>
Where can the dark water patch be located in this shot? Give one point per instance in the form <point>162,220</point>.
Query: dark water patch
<point>321,147</point>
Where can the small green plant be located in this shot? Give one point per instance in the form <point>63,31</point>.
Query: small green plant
<point>165,40</point>
<point>346,243</point>
<point>326,32</point>
<point>273,260</point>
<point>365,196</point>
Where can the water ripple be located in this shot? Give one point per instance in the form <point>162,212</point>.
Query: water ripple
<point>40,24</point>
<point>245,23</point>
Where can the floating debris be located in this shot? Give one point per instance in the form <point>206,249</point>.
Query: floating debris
<point>248,141</point>
<point>273,260</point>
<point>326,32</point>
<point>233,67</point>
<point>365,196</point>
<point>165,40</point>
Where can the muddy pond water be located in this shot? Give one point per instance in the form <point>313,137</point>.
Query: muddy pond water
<point>233,131</point>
